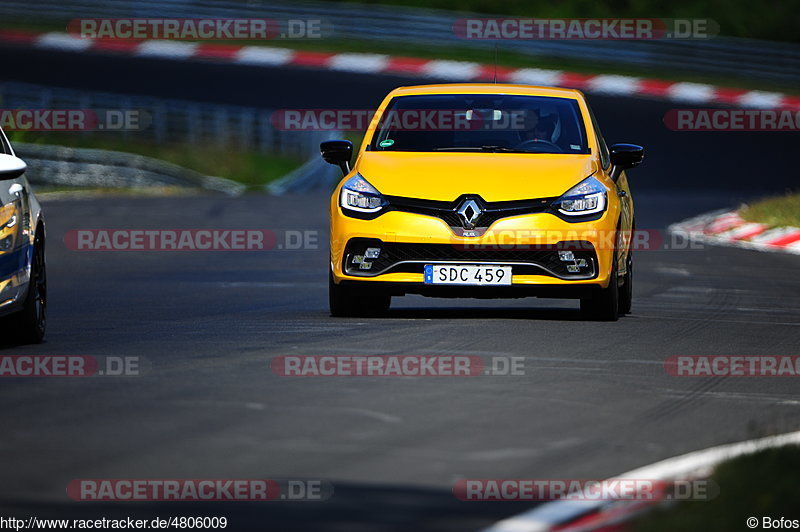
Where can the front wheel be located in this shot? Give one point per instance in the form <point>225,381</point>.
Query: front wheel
<point>347,300</point>
<point>604,304</point>
<point>29,324</point>
<point>626,290</point>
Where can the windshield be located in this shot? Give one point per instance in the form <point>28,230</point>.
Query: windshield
<point>481,123</point>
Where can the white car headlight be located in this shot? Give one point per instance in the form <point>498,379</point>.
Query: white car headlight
<point>358,195</point>
<point>587,197</point>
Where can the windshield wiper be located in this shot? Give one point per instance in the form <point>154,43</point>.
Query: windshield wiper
<point>503,149</point>
<point>491,149</point>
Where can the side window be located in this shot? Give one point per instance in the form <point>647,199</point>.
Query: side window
<point>4,146</point>
<point>605,156</point>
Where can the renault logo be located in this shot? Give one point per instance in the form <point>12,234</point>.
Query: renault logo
<point>469,212</point>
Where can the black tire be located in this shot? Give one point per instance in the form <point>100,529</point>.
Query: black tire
<point>28,326</point>
<point>626,290</point>
<point>347,300</point>
<point>604,304</point>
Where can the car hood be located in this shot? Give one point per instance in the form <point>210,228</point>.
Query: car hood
<point>493,176</point>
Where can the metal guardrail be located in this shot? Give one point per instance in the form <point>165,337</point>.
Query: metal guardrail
<point>81,167</point>
<point>736,57</point>
<point>175,120</point>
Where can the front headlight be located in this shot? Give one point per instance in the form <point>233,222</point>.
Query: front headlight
<point>8,222</point>
<point>587,197</point>
<point>358,195</point>
<point>8,216</point>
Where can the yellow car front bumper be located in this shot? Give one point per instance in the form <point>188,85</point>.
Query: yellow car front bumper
<point>530,231</point>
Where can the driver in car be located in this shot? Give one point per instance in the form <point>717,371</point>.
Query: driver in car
<point>538,126</point>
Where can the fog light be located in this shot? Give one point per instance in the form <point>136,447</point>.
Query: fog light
<point>358,259</point>
<point>365,266</point>
<point>581,263</point>
<point>572,268</point>
<point>566,255</point>
<point>372,253</point>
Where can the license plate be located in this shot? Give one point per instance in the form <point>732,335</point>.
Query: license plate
<point>470,274</point>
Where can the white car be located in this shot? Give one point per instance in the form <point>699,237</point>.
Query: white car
<point>23,275</point>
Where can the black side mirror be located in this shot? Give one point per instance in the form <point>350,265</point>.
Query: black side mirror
<point>624,156</point>
<point>338,152</point>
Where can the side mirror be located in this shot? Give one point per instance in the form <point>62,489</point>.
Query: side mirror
<point>11,167</point>
<point>338,152</point>
<point>624,156</point>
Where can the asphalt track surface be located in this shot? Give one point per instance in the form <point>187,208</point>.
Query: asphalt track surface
<point>595,399</point>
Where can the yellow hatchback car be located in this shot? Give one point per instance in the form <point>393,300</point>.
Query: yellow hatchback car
<point>482,191</point>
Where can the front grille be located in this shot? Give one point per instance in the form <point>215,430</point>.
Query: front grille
<point>448,210</point>
<point>412,257</point>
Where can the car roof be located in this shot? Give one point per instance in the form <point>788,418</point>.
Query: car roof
<point>488,88</point>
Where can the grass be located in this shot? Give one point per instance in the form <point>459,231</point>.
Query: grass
<point>62,192</point>
<point>251,168</point>
<point>761,484</point>
<point>780,211</point>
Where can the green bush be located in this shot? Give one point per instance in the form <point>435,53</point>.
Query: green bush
<point>757,485</point>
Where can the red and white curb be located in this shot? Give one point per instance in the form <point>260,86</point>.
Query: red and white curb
<point>726,228</point>
<point>362,63</point>
<point>574,516</point>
